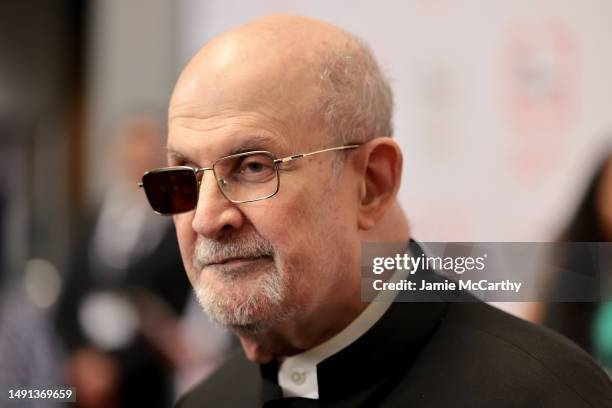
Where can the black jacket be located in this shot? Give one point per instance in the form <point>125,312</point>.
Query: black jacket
<point>463,353</point>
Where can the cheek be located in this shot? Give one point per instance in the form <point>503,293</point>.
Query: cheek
<point>285,221</point>
<point>277,221</point>
<point>297,223</point>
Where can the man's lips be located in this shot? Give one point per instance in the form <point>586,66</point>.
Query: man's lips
<point>236,260</point>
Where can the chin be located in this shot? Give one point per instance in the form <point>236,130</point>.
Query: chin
<point>247,304</point>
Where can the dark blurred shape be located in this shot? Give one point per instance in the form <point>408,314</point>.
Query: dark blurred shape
<point>126,286</point>
<point>592,221</point>
<point>583,322</point>
<point>29,355</point>
<point>15,193</point>
<point>41,103</point>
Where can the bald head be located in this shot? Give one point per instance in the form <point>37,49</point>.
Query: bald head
<point>308,72</point>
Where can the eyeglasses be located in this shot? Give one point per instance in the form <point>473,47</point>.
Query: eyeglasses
<point>242,178</point>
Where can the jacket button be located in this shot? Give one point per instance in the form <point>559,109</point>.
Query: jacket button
<point>298,378</point>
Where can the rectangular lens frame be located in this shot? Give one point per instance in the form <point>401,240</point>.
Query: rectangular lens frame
<point>158,182</point>
<point>273,160</point>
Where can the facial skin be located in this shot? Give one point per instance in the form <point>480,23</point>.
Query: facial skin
<point>283,273</point>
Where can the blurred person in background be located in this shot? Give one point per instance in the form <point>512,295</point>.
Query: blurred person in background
<point>589,324</point>
<point>125,287</point>
<point>29,354</point>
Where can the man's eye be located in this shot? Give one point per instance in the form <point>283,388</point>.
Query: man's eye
<point>252,167</point>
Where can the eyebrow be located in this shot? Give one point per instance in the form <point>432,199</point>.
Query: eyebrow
<point>257,142</point>
<point>174,155</point>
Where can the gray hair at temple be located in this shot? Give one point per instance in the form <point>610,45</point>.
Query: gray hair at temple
<point>357,101</point>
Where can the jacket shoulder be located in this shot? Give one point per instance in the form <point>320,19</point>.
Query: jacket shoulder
<point>237,383</point>
<point>486,346</point>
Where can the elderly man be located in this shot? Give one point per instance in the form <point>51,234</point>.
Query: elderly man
<point>282,165</point>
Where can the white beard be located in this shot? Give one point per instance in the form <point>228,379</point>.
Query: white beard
<point>255,308</point>
<point>246,303</point>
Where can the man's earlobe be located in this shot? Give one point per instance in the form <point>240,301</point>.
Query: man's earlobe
<point>381,171</point>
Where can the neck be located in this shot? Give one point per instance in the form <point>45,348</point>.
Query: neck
<point>309,329</point>
<point>301,334</point>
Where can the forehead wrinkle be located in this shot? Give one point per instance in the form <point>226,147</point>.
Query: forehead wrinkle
<point>194,123</point>
<point>234,106</point>
<point>216,121</point>
<point>193,107</point>
<point>190,125</point>
<point>226,134</point>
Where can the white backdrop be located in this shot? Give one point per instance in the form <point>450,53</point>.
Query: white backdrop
<point>501,107</point>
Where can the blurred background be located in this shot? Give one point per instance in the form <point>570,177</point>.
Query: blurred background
<point>503,110</point>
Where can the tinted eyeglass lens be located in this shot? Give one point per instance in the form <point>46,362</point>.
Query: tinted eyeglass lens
<point>247,177</point>
<point>171,191</point>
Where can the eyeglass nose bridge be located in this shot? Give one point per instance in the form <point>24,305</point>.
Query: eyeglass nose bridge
<point>202,170</point>
<point>220,182</point>
<point>200,175</point>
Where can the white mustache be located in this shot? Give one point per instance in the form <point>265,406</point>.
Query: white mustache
<point>209,251</point>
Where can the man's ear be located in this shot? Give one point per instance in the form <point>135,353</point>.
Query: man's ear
<point>381,171</point>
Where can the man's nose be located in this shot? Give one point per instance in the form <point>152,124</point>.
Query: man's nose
<point>214,212</point>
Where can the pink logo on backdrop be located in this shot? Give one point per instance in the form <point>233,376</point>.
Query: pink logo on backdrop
<point>540,82</point>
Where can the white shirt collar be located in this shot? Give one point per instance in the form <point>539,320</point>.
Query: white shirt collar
<point>297,375</point>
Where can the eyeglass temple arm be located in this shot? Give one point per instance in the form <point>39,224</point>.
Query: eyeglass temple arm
<point>295,156</point>
<point>299,156</point>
